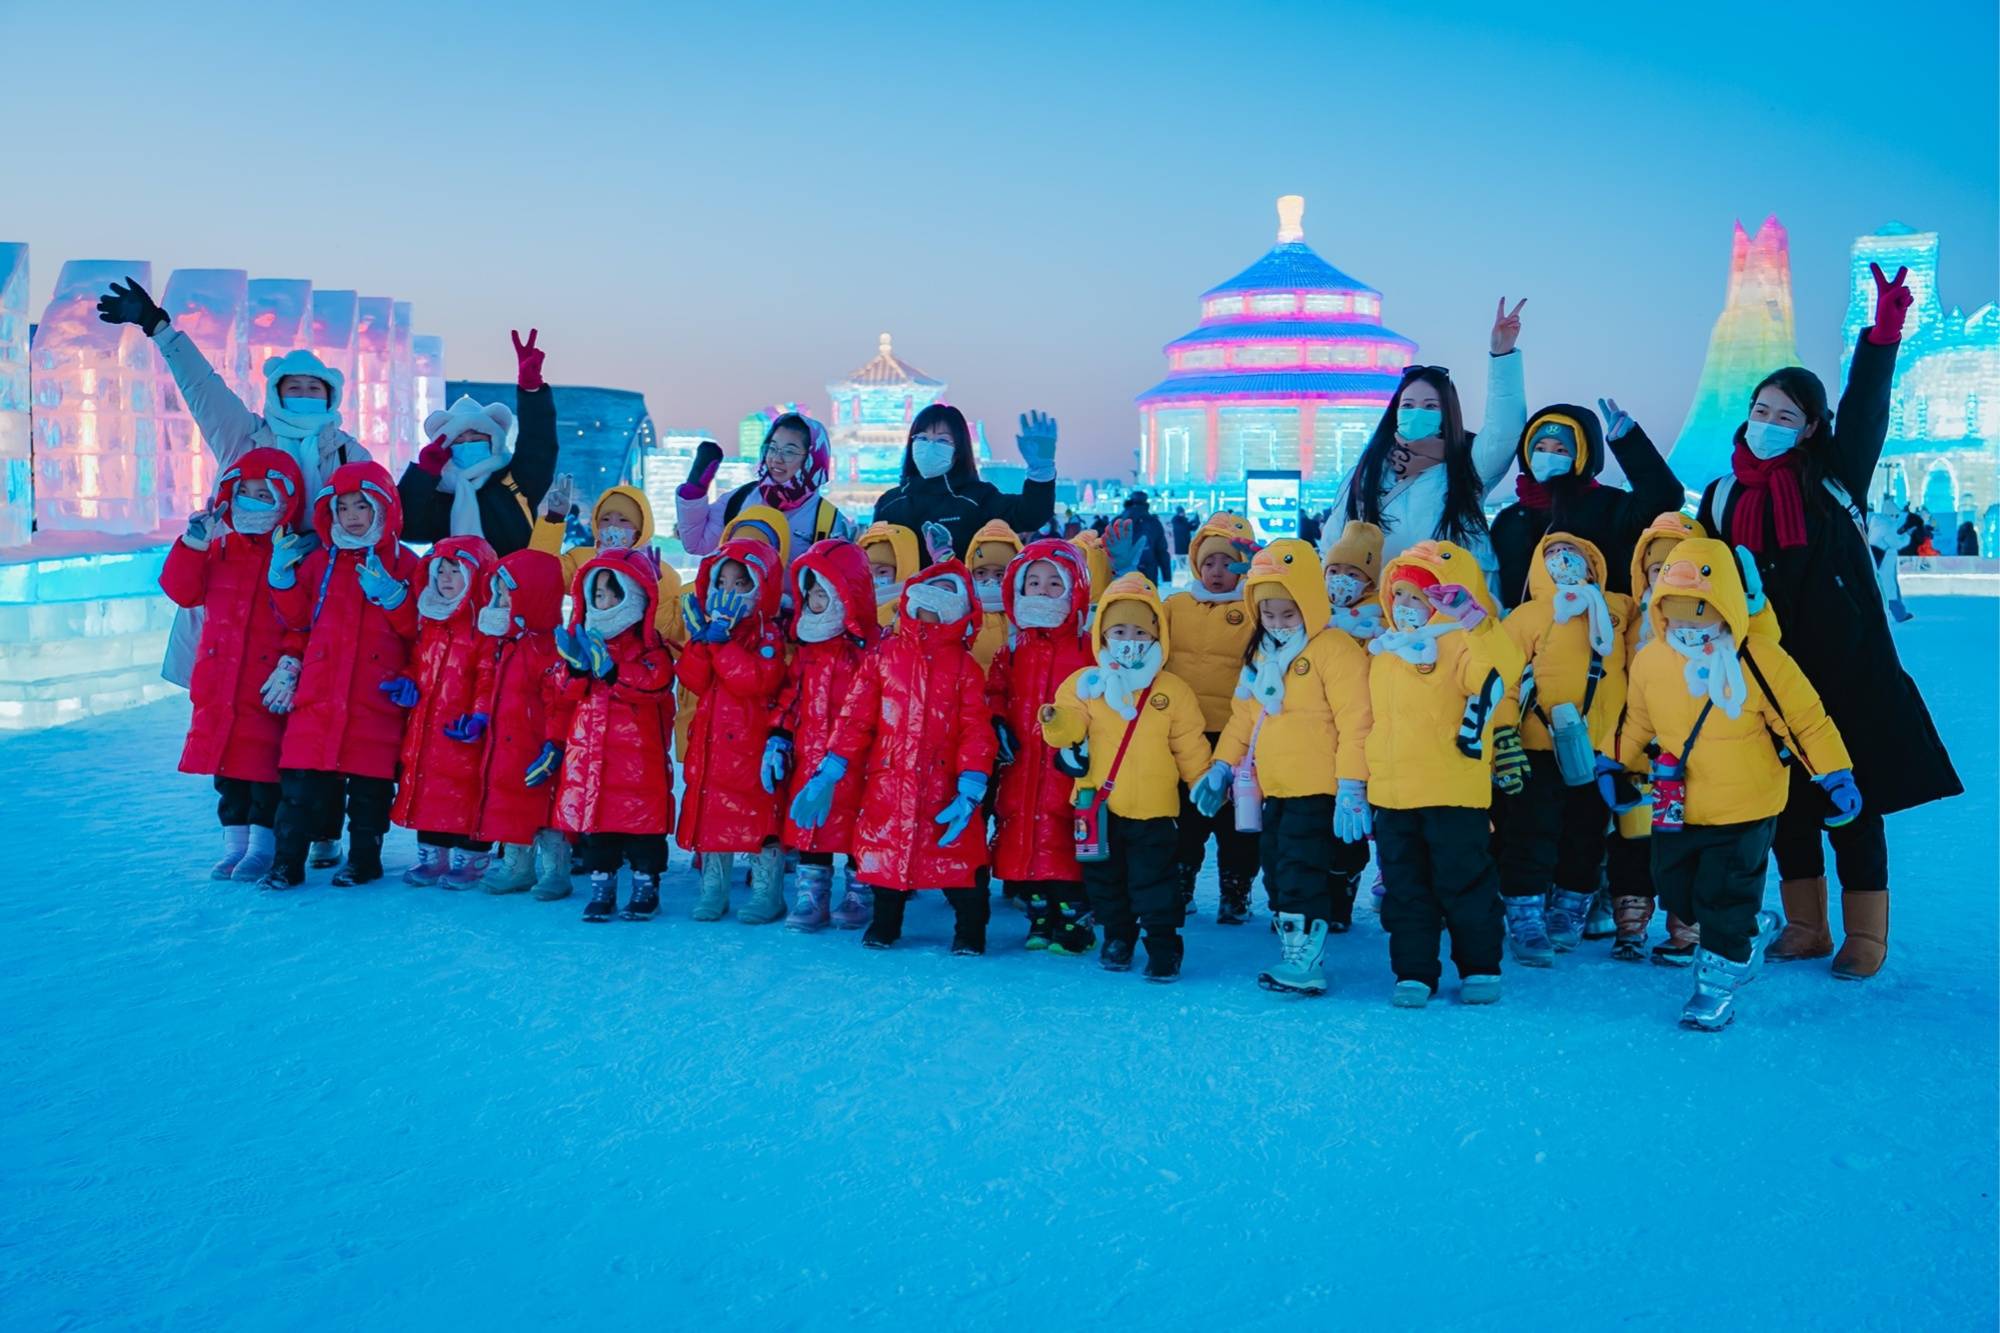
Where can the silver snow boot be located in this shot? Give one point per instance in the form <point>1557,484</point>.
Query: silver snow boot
<point>1567,915</point>
<point>713,904</point>
<point>1716,981</point>
<point>1299,950</point>
<point>767,888</point>
<point>552,851</point>
<point>513,871</point>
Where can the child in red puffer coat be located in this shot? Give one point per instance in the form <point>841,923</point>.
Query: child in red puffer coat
<point>243,681</point>
<point>915,727</point>
<point>439,792</point>
<point>350,612</point>
<point>521,606</point>
<point>834,623</point>
<point>734,665</point>
<point>610,729</point>
<point>1046,592</point>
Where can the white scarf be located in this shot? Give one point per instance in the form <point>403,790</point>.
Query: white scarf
<point>614,620</point>
<point>346,541</point>
<point>1120,686</point>
<point>1364,622</point>
<point>311,438</point>
<point>943,598</point>
<point>1713,672</point>
<point>1201,594</point>
<point>1418,647</point>
<point>1585,599</point>
<point>434,605</point>
<point>1263,679</point>
<point>819,626</point>
<point>462,485</point>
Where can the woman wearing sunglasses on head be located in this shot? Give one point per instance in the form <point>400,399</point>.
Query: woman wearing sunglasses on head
<point>792,467</point>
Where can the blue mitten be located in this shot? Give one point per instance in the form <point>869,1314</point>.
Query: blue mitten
<point>955,816</point>
<point>378,585</point>
<point>1213,788</point>
<point>1352,819</point>
<point>468,728</point>
<point>544,765</point>
<point>777,764</point>
<point>402,691</point>
<point>815,800</point>
<point>1753,581</point>
<point>1846,797</point>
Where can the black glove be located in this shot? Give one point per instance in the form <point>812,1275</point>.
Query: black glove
<point>130,306</point>
<point>707,459</point>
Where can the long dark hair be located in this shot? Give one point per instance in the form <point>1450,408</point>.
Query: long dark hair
<point>1804,388</point>
<point>1463,517</point>
<point>963,468</point>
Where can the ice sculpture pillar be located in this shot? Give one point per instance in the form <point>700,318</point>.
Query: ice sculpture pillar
<point>17,472</point>
<point>211,306</point>
<point>334,316</point>
<point>368,389</point>
<point>402,425</point>
<point>97,435</point>
<point>426,380</point>
<point>281,320</point>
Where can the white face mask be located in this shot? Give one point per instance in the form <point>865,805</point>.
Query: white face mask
<point>1567,566</point>
<point>933,458</point>
<point>1767,439</point>
<point>1282,639</point>
<point>615,538</point>
<point>1344,589</point>
<point>494,621</point>
<point>819,626</point>
<point>1130,654</point>
<point>1689,640</point>
<point>1412,617</point>
<point>1039,611</point>
<point>1546,466</point>
<point>990,594</point>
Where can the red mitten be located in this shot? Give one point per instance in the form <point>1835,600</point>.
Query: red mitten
<point>528,378</point>
<point>434,456</point>
<point>1892,304</point>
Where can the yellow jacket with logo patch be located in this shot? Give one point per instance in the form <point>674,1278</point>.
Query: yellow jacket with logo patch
<point>1561,654</point>
<point>1320,732</point>
<point>1210,635</point>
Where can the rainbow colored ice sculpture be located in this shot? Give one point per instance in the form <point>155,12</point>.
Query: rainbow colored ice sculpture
<point>17,471</point>
<point>1752,337</point>
<point>211,306</point>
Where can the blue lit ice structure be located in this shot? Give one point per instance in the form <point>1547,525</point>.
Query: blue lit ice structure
<point>426,378</point>
<point>1752,337</point>
<point>17,472</point>
<point>869,425</point>
<point>336,316</point>
<point>601,434</point>
<point>212,307</point>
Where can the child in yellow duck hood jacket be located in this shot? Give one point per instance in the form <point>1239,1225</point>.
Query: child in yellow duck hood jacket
<point>993,546</point>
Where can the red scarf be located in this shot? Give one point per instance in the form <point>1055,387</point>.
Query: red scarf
<point>1536,495</point>
<point>1769,487</point>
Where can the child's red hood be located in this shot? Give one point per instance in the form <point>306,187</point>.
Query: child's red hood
<point>844,566</point>
<point>373,481</point>
<point>535,586</point>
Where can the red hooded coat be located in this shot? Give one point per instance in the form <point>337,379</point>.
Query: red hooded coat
<point>617,769</point>
<point>439,791</point>
<point>816,685</point>
<point>515,672</point>
<point>1033,837</point>
<point>913,721</point>
<point>231,734</point>
<point>724,807</point>
<point>341,722</point>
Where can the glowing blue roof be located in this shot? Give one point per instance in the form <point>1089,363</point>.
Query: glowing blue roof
<point>1277,384</point>
<point>1351,330</point>
<point>1291,266</point>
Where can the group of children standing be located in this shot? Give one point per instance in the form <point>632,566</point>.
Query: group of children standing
<point>858,699</point>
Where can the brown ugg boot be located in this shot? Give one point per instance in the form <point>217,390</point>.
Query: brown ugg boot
<point>1683,938</point>
<point>1634,916</point>
<point>1806,934</point>
<point>1865,917</point>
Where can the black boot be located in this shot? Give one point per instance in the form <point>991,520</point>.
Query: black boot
<point>970,910</point>
<point>603,904</point>
<point>1116,955</point>
<point>645,896</point>
<point>887,925</point>
<point>1041,920</point>
<point>281,877</point>
<point>1163,955</point>
<point>1341,884</point>
<point>364,860</point>
<point>1072,932</point>
<point>1233,909</point>
<point>1187,878</point>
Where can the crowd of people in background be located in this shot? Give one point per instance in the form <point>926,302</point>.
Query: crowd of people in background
<point>1539,724</point>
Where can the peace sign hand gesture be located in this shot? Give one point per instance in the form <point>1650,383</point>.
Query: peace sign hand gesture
<point>528,376</point>
<point>1892,305</point>
<point>1506,327</point>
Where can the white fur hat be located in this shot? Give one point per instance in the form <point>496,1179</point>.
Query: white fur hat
<point>299,361</point>
<point>491,419</point>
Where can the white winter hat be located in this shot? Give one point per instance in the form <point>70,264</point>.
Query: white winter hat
<point>495,420</point>
<point>299,361</point>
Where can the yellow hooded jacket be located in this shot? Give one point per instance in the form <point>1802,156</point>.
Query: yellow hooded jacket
<point>992,624</point>
<point>1414,760</point>
<point>1209,635</point>
<point>902,542</point>
<point>1167,746</point>
<point>1319,734</point>
<point>1668,531</point>
<point>1095,559</point>
<point>1560,654</point>
<point>1733,774</point>
<point>548,536</point>
<point>770,518</point>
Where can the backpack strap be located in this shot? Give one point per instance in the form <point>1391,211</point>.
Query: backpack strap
<point>1789,737</point>
<point>1845,500</point>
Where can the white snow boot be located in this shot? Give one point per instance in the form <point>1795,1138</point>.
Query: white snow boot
<point>810,909</point>
<point>713,904</point>
<point>1299,950</point>
<point>257,858</point>
<point>513,871</point>
<point>428,870</point>
<point>324,852</point>
<point>1410,995</point>
<point>856,905</point>
<point>1528,932</point>
<point>1481,989</point>
<point>235,841</point>
<point>767,888</point>
<point>1565,919</point>
<point>1712,1007</point>
<point>552,849</point>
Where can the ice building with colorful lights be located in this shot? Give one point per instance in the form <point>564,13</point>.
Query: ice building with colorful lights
<point>1752,337</point>
<point>1290,369</point>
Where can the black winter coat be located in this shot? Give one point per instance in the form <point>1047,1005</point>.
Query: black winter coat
<point>1829,604</point>
<point>509,498</point>
<point>962,503</point>
<point>1605,516</point>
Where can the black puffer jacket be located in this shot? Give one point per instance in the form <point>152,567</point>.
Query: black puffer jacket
<point>1607,517</point>
<point>509,499</point>
<point>962,502</point>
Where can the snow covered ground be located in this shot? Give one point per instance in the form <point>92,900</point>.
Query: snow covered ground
<point>392,1108</point>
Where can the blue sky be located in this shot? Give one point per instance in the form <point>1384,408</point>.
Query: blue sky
<point>723,205</point>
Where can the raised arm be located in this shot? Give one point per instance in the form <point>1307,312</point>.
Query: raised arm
<point>1506,399</point>
<point>226,423</point>
<point>1862,422</point>
<point>1652,487</point>
<point>535,445</point>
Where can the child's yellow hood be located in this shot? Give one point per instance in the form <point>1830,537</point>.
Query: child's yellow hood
<point>997,533</point>
<point>1232,530</point>
<point>1702,571</point>
<point>1129,588</point>
<point>637,498</point>
<point>1542,584</point>
<point>899,539</point>
<point>1292,565</point>
<point>770,518</point>
<point>1675,528</point>
<point>1447,562</point>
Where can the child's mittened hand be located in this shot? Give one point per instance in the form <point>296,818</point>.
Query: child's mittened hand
<point>378,585</point>
<point>597,655</point>
<point>815,800</point>
<point>402,691</point>
<point>200,528</point>
<point>1352,819</point>
<point>559,497</point>
<point>1213,788</point>
<point>281,686</point>
<point>1452,599</point>
<point>468,728</point>
<point>937,541</point>
<point>1753,581</point>
<point>570,648</point>
<point>1609,774</point>
<point>287,549</point>
<point>777,763</point>
<point>1840,788</point>
<point>955,816</point>
<point>544,765</point>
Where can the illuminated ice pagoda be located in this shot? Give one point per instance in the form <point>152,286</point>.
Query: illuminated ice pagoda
<point>1751,338</point>
<point>1290,368</point>
<point>1944,412</point>
<point>869,423</point>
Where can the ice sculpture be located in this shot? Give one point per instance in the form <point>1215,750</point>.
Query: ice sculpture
<point>97,435</point>
<point>1752,337</point>
<point>368,389</point>
<point>17,472</point>
<point>402,425</point>
<point>281,320</point>
<point>426,377</point>
<point>334,316</point>
<point>212,307</point>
